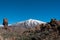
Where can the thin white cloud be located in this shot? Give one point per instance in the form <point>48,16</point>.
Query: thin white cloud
<point>2,25</point>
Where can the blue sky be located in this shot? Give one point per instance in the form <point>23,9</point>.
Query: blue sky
<point>19,10</point>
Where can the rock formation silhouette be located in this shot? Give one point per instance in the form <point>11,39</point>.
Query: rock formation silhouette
<point>5,23</point>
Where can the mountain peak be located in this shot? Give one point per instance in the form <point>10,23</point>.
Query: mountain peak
<point>34,20</point>
<point>29,23</point>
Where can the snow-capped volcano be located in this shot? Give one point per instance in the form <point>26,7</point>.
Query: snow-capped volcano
<point>32,21</point>
<point>28,23</point>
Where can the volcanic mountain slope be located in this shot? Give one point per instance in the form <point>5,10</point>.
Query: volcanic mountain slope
<point>28,23</point>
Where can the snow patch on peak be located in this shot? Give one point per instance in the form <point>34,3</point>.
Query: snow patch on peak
<point>33,20</point>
